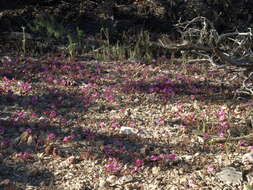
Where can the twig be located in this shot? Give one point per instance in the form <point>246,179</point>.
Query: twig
<point>223,139</point>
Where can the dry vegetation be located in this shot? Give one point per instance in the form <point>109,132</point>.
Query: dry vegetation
<point>93,125</point>
<point>180,120</point>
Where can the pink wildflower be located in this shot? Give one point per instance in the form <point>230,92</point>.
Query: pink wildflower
<point>29,130</point>
<point>25,86</point>
<point>115,125</point>
<point>34,114</point>
<point>68,138</point>
<point>210,168</point>
<point>52,114</point>
<point>242,143</point>
<point>224,125</point>
<point>24,155</point>
<point>183,127</point>
<point>132,124</point>
<point>191,183</point>
<point>205,135</point>
<point>160,121</point>
<point>51,136</point>
<point>112,160</point>
<point>139,162</point>
<point>135,169</point>
<point>102,124</point>
<point>171,156</point>
<point>63,121</point>
<point>221,115</point>
<point>112,167</point>
<point>221,134</point>
<point>250,148</point>
<point>154,158</point>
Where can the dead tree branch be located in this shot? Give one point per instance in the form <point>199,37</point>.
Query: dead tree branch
<point>233,50</point>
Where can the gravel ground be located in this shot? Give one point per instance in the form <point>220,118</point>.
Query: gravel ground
<point>72,124</point>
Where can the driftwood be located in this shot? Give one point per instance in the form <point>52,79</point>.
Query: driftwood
<point>230,50</point>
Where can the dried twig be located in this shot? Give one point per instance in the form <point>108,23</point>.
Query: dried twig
<point>223,139</point>
<point>200,37</point>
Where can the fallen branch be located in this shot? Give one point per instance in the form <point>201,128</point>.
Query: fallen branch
<point>248,137</point>
<point>200,37</point>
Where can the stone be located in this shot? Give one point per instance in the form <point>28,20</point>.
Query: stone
<point>125,179</point>
<point>230,176</point>
<point>155,170</point>
<point>111,179</point>
<point>128,130</point>
<point>248,157</point>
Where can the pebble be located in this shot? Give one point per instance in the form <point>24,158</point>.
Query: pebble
<point>125,179</point>
<point>128,130</point>
<point>248,157</point>
<point>229,175</point>
<point>102,183</point>
<point>155,170</point>
<point>111,179</point>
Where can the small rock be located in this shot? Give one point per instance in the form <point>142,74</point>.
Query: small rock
<point>102,183</point>
<point>111,179</point>
<point>229,175</point>
<point>136,100</point>
<point>152,187</point>
<point>5,182</point>
<point>125,179</point>
<point>188,158</point>
<point>128,130</point>
<point>248,157</point>
<point>30,140</point>
<point>71,160</point>
<point>155,170</point>
<point>5,58</point>
<point>201,139</point>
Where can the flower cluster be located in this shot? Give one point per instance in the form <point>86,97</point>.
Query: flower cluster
<point>112,165</point>
<point>163,157</point>
<point>68,138</point>
<point>24,156</point>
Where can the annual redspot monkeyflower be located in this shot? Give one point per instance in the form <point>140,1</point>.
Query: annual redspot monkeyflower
<point>112,165</point>
<point>139,162</point>
<point>210,168</point>
<point>221,115</point>
<point>29,130</point>
<point>51,136</point>
<point>171,156</point>
<point>250,148</point>
<point>205,135</point>
<point>68,138</point>
<point>191,183</point>
<point>102,124</point>
<point>154,158</point>
<point>24,155</point>
<point>115,125</point>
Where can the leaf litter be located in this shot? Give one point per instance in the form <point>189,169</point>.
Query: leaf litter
<point>120,125</point>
